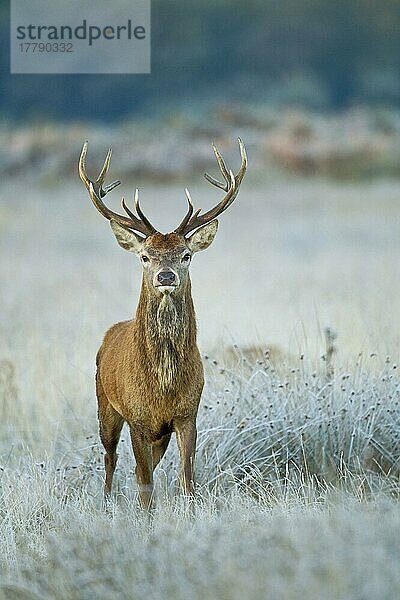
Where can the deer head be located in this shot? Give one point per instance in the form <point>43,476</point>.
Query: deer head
<point>166,257</point>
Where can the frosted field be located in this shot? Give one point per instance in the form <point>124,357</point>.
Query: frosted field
<point>298,473</point>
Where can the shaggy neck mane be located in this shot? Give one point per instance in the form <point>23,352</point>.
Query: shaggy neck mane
<point>166,329</point>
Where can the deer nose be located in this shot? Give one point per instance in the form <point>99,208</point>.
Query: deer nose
<point>166,278</point>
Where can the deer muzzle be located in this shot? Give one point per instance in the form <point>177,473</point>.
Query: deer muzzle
<point>166,280</point>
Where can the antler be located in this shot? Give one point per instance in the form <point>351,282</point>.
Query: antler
<point>97,191</point>
<point>231,187</point>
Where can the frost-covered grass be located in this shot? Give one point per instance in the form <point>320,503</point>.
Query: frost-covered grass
<point>242,549</point>
<point>298,458</point>
<point>298,487</point>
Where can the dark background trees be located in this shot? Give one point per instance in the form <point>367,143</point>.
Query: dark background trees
<point>316,53</point>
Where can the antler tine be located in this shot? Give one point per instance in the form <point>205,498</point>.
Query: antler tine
<point>97,192</point>
<point>218,184</point>
<point>100,179</point>
<point>82,165</point>
<point>141,214</point>
<point>223,169</point>
<point>231,188</point>
<point>189,213</point>
<point>128,210</point>
<point>102,175</point>
<point>107,188</point>
<point>104,168</point>
<point>243,166</point>
<point>221,163</point>
<point>190,203</point>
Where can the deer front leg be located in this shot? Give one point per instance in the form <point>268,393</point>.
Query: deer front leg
<point>186,434</point>
<point>110,425</point>
<point>144,467</point>
<point>159,448</point>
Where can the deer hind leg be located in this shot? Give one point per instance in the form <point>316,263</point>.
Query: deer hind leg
<point>186,437</point>
<point>110,425</point>
<point>159,448</point>
<point>144,467</point>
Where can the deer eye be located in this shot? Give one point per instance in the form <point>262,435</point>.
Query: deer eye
<point>145,259</point>
<point>186,258</point>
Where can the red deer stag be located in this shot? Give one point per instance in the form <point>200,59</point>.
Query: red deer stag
<point>149,370</point>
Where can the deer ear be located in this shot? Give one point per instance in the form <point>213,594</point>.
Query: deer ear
<point>128,240</point>
<point>203,237</point>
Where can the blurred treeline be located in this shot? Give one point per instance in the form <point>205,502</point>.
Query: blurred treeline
<point>319,54</point>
